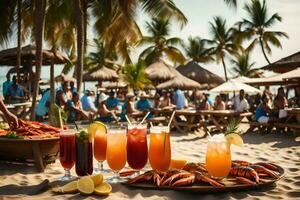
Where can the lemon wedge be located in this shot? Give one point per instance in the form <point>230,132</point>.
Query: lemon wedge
<point>103,189</point>
<point>85,185</point>
<point>68,188</point>
<point>234,138</point>
<point>97,179</point>
<point>94,128</point>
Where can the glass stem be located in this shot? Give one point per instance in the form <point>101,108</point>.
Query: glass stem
<point>67,173</point>
<point>116,175</point>
<point>100,165</point>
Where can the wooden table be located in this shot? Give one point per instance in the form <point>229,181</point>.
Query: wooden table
<point>221,118</point>
<point>22,106</point>
<point>293,113</point>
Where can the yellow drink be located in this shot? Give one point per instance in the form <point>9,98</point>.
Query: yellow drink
<point>218,158</point>
<point>160,148</point>
<point>116,150</point>
<point>100,143</point>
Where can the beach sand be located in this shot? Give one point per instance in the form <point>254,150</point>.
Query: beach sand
<point>281,149</point>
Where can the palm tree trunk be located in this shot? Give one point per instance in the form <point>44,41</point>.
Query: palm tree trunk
<point>39,34</point>
<point>19,38</point>
<point>263,50</point>
<point>85,23</point>
<point>80,45</point>
<point>224,67</point>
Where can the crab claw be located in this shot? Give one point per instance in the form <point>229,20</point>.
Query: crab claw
<point>245,181</point>
<point>147,176</point>
<point>185,181</point>
<point>263,170</point>
<point>156,178</point>
<point>201,177</point>
<point>175,177</point>
<point>268,166</point>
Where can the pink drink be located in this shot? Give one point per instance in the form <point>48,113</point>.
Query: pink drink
<point>137,148</point>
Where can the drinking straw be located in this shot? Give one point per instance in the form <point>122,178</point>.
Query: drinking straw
<point>76,126</point>
<point>171,119</point>
<point>151,124</point>
<point>128,119</point>
<point>144,118</point>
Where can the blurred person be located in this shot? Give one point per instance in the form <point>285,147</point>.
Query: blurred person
<point>106,115</point>
<point>219,104</point>
<point>166,101</point>
<point>10,118</point>
<point>75,111</point>
<point>129,106</point>
<point>179,99</point>
<point>295,101</point>
<point>201,102</point>
<point>264,111</point>
<point>240,103</point>
<point>60,99</point>
<point>112,102</point>
<point>143,104</point>
<point>280,101</point>
<point>87,102</point>
<point>43,106</point>
<point>6,85</point>
<point>15,92</point>
<point>72,87</point>
<point>156,101</point>
<point>66,90</point>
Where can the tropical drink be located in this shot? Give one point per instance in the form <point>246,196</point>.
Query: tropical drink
<point>67,152</point>
<point>218,157</point>
<point>84,153</point>
<point>100,143</point>
<point>137,148</point>
<point>160,148</point>
<point>116,151</point>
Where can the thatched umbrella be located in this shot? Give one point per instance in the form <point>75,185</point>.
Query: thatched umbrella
<point>181,82</point>
<point>101,74</point>
<point>285,64</point>
<point>197,73</point>
<point>63,78</point>
<point>159,71</point>
<point>8,57</point>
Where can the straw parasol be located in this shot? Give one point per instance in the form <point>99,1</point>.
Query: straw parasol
<point>180,81</point>
<point>197,73</point>
<point>159,71</point>
<point>8,56</point>
<point>64,78</point>
<point>101,74</point>
<point>234,86</point>
<point>285,64</point>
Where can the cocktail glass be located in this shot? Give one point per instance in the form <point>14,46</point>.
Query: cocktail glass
<point>218,157</point>
<point>116,152</point>
<point>160,148</point>
<point>67,152</point>
<point>137,148</point>
<point>84,153</point>
<point>100,145</point>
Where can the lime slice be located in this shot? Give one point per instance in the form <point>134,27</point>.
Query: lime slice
<point>85,185</point>
<point>103,189</point>
<point>94,128</point>
<point>97,179</point>
<point>234,138</point>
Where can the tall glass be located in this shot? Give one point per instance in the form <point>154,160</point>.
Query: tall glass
<point>160,148</point>
<point>218,157</point>
<point>137,148</point>
<point>67,152</point>
<point>100,145</point>
<point>116,151</point>
<point>84,154</point>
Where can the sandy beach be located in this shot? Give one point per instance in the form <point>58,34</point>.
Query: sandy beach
<point>281,149</point>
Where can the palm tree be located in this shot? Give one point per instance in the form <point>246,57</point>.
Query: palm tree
<point>222,41</point>
<point>135,75</point>
<point>231,3</point>
<point>101,57</point>
<point>159,29</point>
<point>256,27</point>
<point>40,7</point>
<point>242,65</point>
<point>197,50</point>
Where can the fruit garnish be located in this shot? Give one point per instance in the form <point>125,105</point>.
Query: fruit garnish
<point>85,185</point>
<point>68,188</point>
<point>103,189</point>
<point>234,138</point>
<point>97,179</point>
<point>232,126</point>
<point>177,163</point>
<point>96,127</point>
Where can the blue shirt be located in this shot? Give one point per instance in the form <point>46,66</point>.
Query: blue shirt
<point>112,102</point>
<point>5,86</point>
<point>179,99</point>
<point>72,114</point>
<point>15,92</point>
<point>41,109</point>
<point>260,113</point>
<point>87,103</point>
<point>143,105</point>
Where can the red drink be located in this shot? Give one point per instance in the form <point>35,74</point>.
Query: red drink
<point>84,154</point>
<point>67,149</point>
<point>137,148</point>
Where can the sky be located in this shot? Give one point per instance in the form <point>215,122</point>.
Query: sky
<point>200,12</point>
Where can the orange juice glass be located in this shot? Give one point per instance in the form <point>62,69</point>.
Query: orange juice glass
<point>218,157</point>
<point>116,151</point>
<point>100,144</point>
<point>160,148</point>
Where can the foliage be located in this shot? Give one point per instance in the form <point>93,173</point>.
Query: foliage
<point>242,65</point>
<point>160,45</point>
<point>135,75</point>
<point>256,26</point>
<point>232,126</point>
<point>198,51</point>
